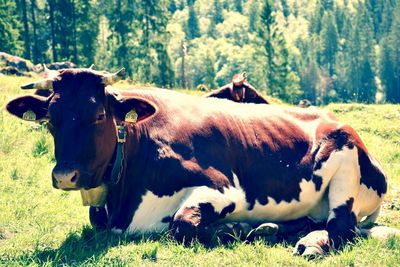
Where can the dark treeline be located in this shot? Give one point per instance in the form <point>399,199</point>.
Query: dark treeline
<point>322,50</point>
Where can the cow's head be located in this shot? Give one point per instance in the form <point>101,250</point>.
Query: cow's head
<point>237,89</point>
<point>82,116</point>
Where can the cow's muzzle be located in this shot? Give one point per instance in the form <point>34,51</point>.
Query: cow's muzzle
<point>65,179</point>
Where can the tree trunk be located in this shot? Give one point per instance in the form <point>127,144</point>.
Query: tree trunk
<point>27,53</point>
<point>35,41</point>
<point>146,44</point>
<point>183,67</point>
<point>53,35</point>
<point>74,33</point>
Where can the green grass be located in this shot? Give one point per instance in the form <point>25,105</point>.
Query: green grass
<point>43,226</point>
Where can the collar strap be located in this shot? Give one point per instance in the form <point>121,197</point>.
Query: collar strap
<point>118,168</point>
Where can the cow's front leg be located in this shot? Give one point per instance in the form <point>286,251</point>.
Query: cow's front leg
<point>203,207</point>
<point>198,221</point>
<point>314,244</point>
<point>98,217</point>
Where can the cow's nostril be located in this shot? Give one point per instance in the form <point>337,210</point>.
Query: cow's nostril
<point>73,179</point>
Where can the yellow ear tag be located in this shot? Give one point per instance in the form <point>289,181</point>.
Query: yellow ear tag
<point>131,116</point>
<point>29,115</point>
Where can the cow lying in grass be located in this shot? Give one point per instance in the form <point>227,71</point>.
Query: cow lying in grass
<point>160,160</point>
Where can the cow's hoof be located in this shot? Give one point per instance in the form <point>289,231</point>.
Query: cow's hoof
<point>183,231</point>
<point>313,245</point>
<point>231,231</point>
<point>266,229</point>
<point>98,217</point>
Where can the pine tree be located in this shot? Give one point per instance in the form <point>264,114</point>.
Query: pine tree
<point>86,34</point>
<point>209,77</point>
<point>152,18</point>
<point>26,33</point>
<point>360,82</point>
<point>386,18</point>
<point>183,65</point>
<point>217,16</point>
<point>390,58</point>
<point>51,4</point>
<point>309,78</point>
<point>192,27</point>
<point>340,18</point>
<point>172,6</point>
<point>181,4</point>
<point>35,46</point>
<point>340,76</point>
<point>63,16</point>
<point>238,6</point>
<point>253,16</point>
<point>329,42</point>
<point>315,20</point>
<point>121,20</point>
<point>9,28</point>
<point>367,91</point>
<point>274,53</point>
<point>74,41</point>
<point>285,8</point>
<point>166,75</point>
<point>327,5</point>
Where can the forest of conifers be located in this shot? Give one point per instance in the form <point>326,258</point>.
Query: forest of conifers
<point>322,50</point>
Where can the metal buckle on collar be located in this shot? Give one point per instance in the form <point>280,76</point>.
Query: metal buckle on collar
<point>121,134</point>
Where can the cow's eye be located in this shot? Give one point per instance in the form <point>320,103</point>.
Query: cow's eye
<point>101,117</point>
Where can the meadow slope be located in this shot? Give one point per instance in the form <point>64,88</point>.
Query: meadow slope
<point>43,226</point>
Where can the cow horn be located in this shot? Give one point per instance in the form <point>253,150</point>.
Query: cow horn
<point>114,77</point>
<point>43,84</point>
<point>91,67</point>
<point>45,67</point>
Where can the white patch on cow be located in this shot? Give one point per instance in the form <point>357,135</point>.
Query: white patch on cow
<point>320,212</point>
<point>204,194</point>
<point>153,209</point>
<point>367,201</point>
<point>345,183</point>
<point>272,211</point>
<point>283,210</point>
<point>341,165</point>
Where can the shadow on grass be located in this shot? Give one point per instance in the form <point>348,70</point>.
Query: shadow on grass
<point>90,245</point>
<point>85,246</point>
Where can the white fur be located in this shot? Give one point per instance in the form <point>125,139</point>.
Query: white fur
<point>367,201</point>
<point>284,210</point>
<point>345,184</point>
<point>204,194</point>
<point>153,209</point>
<point>341,172</point>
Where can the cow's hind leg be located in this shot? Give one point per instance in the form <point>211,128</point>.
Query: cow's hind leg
<point>342,220</point>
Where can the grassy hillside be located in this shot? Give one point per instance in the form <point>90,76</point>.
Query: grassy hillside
<point>43,226</point>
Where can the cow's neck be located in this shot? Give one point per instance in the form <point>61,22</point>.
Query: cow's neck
<point>125,195</point>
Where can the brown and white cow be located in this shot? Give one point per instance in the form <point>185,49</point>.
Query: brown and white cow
<point>189,162</point>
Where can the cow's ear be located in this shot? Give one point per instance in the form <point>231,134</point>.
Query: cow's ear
<point>29,107</point>
<point>131,109</point>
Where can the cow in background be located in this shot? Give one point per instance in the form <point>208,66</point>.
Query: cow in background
<point>239,90</point>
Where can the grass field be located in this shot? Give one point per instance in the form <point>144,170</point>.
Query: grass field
<point>43,226</point>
